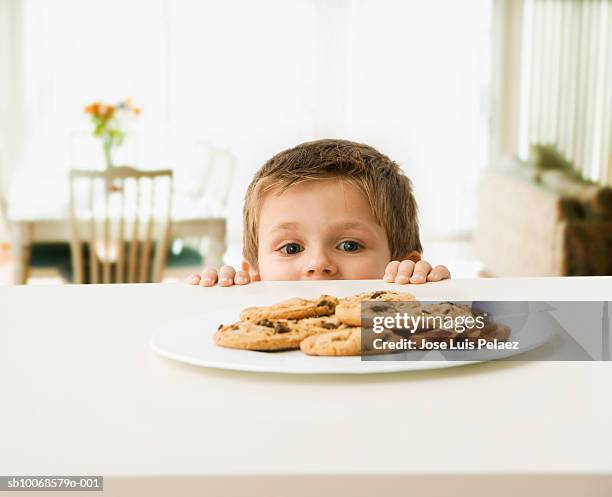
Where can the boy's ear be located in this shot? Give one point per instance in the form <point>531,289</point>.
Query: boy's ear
<point>414,256</point>
<point>251,270</point>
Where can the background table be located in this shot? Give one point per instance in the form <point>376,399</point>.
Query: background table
<point>82,393</point>
<point>38,212</point>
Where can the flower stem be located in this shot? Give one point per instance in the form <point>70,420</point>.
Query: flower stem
<point>108,146</point>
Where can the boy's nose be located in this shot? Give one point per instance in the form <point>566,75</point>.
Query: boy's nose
<point>320,267</point>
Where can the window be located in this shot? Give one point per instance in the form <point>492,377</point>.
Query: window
<point>566,82</point>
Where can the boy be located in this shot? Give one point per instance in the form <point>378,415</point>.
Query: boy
<point>329,209</point>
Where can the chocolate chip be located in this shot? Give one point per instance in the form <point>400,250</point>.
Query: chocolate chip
<point>265,322</point>
<point>323,303</point>
<point>329,326</point>
<point>281,328</point>
<point>377,294</point>
<point>380,308</point>
<point>220,326</point>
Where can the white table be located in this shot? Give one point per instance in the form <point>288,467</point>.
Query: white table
<point>82,393</point>
<point>38,212</point>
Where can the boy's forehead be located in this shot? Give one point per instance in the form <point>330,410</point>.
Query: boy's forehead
<point>331,188</point>
<point>331,204</point>
<point>318,212</point>
<point>333,195</point>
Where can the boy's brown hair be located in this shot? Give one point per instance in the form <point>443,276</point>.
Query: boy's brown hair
<point>385,186</point>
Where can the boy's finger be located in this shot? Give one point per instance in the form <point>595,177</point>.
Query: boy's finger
<point>404,273</point>
<point>391,271</point>
<point>208,277</point>
<point>226,276</point>
<point>421,270</point>
<point>241,278</point>
<point>439,273</point>
<point>193,279</point>
<point>253,274</point>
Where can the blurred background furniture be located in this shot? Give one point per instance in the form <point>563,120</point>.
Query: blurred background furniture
<point>119,218</point>
<point>535,222</point>
<point>37,212</point>
<point>47,219</point>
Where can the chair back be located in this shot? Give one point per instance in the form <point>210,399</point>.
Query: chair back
<point>118,219</point>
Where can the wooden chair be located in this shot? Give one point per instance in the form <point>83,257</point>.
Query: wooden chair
<point>120,217</point>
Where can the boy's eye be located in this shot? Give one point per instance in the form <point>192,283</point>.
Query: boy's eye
<point>349,246</point>
<point>291,248</point>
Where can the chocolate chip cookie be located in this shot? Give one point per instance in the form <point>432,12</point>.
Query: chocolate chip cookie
<point>436,335</point>
<point>292,309</point>
<point>264,334</point>
<point>323,324</point>
<point>345,342</point>
<point>348,310</point>
<point>448,314</point>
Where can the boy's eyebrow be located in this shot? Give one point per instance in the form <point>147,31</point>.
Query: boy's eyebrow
<point>284,226</point>
<point>342,225</point>
<point>347,225</point>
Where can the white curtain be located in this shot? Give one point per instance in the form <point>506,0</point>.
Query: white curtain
<point>566,91</point>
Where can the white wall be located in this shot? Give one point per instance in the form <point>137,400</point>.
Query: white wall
<point>9,89</point>
<point>418,89</point>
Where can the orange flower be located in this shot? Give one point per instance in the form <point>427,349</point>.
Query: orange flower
<point>93,109</point>
<point>105,111</point>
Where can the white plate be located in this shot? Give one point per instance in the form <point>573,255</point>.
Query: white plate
<point>190,341</point>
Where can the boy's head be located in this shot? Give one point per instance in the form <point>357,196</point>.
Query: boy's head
<point>329,209</point>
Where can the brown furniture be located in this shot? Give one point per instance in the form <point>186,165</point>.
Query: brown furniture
<point>120,224</point>
<point>532,223</point>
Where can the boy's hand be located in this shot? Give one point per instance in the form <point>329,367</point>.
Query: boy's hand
<point>408,271</point>
<point>227,276</point>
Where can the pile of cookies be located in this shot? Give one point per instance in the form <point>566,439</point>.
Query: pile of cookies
<point>326,326</point>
